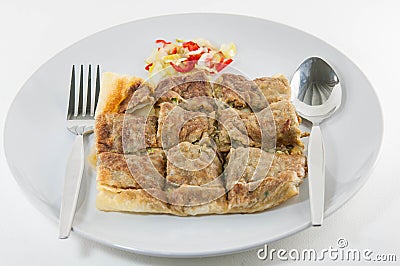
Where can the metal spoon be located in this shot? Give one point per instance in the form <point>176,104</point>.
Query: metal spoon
<point>316,94</point>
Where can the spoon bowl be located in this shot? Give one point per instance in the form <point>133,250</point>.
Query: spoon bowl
<point>316,90</point>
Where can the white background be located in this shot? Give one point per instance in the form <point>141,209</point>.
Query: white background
<point>368,32</point>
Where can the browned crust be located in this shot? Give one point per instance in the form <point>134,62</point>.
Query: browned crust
<point>194,200</point>
<point>190,126</point>
<point>275,88</point>
<point>110,129</point>
<point>145,170</point>
<point>286,123</point>
<point>131,200</point>
<point>209,165</point>
<point>279,122</point>
<point>113,171</point>
<point>243,198</point>
<point>253,165</point>
<point>114,90</point>
<point>102,131</point>
<point>272,191</point>
<point>239,92</point>
<point>228,87</point>
<point>152,201</point>
<point>183,87</point>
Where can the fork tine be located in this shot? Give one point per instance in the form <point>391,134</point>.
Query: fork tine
<point>71,101</point>
<point>79,104</point>
<point>78,87</point>
<point>92,90</point>
<point>96,99</point>
<point>82,93</point>
<point>89,92</point>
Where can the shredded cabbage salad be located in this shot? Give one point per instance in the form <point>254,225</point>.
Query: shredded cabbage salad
<point>184,56</point>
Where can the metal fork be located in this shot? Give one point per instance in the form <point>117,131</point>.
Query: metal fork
<point>80,121</point>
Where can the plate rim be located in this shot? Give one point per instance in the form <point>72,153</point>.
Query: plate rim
<point>44,209</point>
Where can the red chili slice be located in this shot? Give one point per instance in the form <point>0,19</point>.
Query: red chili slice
<point>163,42</point>
<point>195,57</point>
<point>186,67</point>
<point>192,46</point>
<point>220,66</point>
<point>148,66</point>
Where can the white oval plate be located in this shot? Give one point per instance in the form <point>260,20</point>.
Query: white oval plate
<point>37,143</point>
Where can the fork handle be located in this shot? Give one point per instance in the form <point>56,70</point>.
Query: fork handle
<point>316,175</point>
<point>72,183</point>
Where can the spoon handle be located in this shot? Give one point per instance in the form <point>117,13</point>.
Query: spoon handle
<point>316,175</point>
